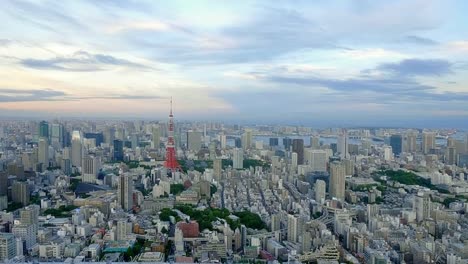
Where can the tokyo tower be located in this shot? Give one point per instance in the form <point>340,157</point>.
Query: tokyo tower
<point>171,160</point>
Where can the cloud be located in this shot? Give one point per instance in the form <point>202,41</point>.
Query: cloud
<point>79,61</point>
<point>420,40</point>
<point>418,67</point>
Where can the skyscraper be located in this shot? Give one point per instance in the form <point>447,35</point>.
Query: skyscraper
<point>315,142</point>
<point>3,183</point>
<point>410,142</point>
<point>274,142</point>
<point>77,149</point>
<point>90,168</point>
<point>99,137</point>
<point>428,142</point>
<point>125,191</point>
<point>320,189</point>
<point>57,135</point>
<point>342,145</point>
<point>44,129</point>
<point>217,169</point>
<point>396,142</point>
<point>298,147</point>
<point>20,193</point>
<point>337,180</point>
<point>238,158</point>
<point>156,136</point>
<point>287,142</point>
<point>43,154</point>
<point>247,139</point>
<point>317,159</point>
<point>223,141</point>
<point>118,150</point>
<point>194,140</point>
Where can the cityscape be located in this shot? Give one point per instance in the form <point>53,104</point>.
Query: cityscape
<point>320,132</point>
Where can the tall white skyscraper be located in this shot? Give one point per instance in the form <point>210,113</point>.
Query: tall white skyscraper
<point>77,148</point>
<point>43,153</point>
<point>317,159</point>
<point>320,190</point>
<point>422,206</point>
<point>428,142</point>
<point>156,131</point>
<point>238,158</point>
<point>342,144</point>
<point>125,191</point>
<point>337,180</point>
<point>247,139</point>
<point>223,140</point>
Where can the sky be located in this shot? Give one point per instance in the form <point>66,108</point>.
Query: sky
<point>363,62</point>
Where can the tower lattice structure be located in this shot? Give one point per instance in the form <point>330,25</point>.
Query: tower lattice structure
<point>171,160</point>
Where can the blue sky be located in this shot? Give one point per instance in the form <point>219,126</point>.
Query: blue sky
<point>312,62</point>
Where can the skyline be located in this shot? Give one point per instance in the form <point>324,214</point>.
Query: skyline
<point>360,62</point>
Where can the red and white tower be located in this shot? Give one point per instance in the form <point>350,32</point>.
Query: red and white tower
<point>171,160</point>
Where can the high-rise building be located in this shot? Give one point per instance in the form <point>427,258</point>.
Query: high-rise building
<point>26,233</point>
<point>337,180</point>
<point>320,189</point>
<point>3,183</point>
<point>194,140</point>
<point>156,136</point>
<point>121,230</point>
<point>43,154</point>
<point>410,145</point>
<point>422,206</point>
<point>396,142</point>
<point>57,136</point>
<point>292,228</point>
<point>451,156</point>
<point>247,139</point>
<point>90,168</point>
<point>342,145</point>
<point>109,135</point>
<point>238,158</point>
<point>76,149</point>
<point>20,193</point>
<point>317,159</point>
<point>118,150</point>
<point>217,169</point>
<point>7,247</point>
<point>298,147</point>
<point>223,141</point>
<point>294,160</point>
<point>30,215</point>
<point>274,142</point>
<point>275,222</point>
<point>98,137</point>
<point>315,142</point>
<point>44,129</point>
<point>428,142</point>
<point>287,142</point>
<point>125,191</point>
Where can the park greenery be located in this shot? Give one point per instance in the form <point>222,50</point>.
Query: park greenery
<point>135,250</point>
<point>408,178</point>
<point>177,188</point>
<point>207,216</point>
<point>62,211</point>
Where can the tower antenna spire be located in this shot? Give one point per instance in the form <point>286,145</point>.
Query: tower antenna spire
<point>171,106</point>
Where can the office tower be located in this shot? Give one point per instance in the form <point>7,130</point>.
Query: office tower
<point>387,153</point>
<point>57,136</point>
<point>109,135</point>
<point>7,247</point>
<point>194,140</point>
<point>451,142</point>
<point>44,129</point>
<point>3,183</point>
<point>275,222</point>
<point>135,141</point>
<point>295,224</point>
<point>26,233</point>
<point>315,142</point>
<point>30,215</point>
<point>156,136</point>
<point>294,161</point>
<point>90,168</point>
<point>238,158</point>
<point>422,206</point>
<point>410,145</point>
<point>118,150</point>
<point>349,166</point>
<point>274,142</point>
<point>237,143</point>
<point>247,139</point>
<point>121,230</point>
<point>451,156</point>
<point>320,189</point>
<point>342,145</point>
<point>337,180</point>
<point>20,193</point>
<point>125,191</point>
<point>76,148</point>
<point>171,162</point>
<point>287,142</point>
<point>428,142</point>
<point>298,147</point>
<point>98,137</point>
<point>217,169</point>
<point>317,159</point>
<point>43,154</point>
<point>223,141</point>
<point>396,142</point>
